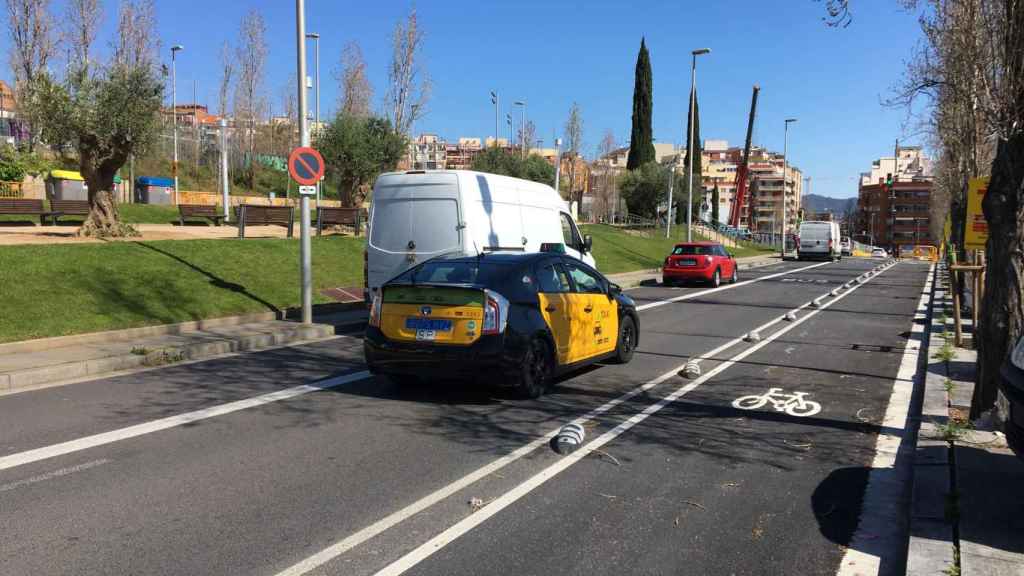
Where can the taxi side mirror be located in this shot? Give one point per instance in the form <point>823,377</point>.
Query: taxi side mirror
<point>614,288</point>
<point>588,242</point>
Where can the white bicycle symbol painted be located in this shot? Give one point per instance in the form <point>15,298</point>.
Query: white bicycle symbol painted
<point>795,404</point>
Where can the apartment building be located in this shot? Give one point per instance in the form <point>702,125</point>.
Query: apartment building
<point>769,194</point>
<point>896,215</point>
<point>460,156</point>
<point>428,152</point>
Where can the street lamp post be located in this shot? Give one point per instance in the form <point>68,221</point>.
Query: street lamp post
<point>316,111</point>
<point>174,114</point>
<point>496,100</point>
<point>558,162</point>
<point>785,151</point>
<point>522,123</point>
<point>671,183</point>
<point>690,148</point>
<point>508,120</point>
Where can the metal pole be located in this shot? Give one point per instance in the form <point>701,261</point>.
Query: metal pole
<point>690,147</point>
<point>174,116</point>
<point>496,100</point>
<point>304,246</point>
<point>785,153</point>
<point>671,181</point>
<point>558,162</point>
<point>224,168</point>
<point>316,112</point>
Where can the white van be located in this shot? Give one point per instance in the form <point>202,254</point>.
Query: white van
<point>819,240</point>
<point>418,215</point>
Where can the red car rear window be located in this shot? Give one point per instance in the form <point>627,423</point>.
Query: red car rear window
<point>694,251</point>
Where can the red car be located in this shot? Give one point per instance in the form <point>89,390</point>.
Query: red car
<point>707,261</point>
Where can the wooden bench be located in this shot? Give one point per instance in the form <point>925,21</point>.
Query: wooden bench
<point>253,214</point>
<point>60,208</point>
<point>338,216</point>
<point>24,207</point>
<point>212,213</point>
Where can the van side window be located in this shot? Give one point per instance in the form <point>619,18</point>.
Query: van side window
<point>570,236</point>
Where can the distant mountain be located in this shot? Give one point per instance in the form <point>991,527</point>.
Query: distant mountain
<point>837,206</point>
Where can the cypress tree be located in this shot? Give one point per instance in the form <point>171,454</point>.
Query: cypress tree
<point>715,198</point>
<point>641,145</point>
<point>696,149</point>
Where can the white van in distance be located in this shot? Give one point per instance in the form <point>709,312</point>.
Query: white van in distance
<point>819,240</point>
<point>418,215</point>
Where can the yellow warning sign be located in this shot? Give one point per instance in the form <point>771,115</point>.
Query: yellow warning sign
<point>976,227</point>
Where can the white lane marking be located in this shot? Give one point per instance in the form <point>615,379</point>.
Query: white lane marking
<point>54,450</point>
<point>344,545</point>
<point>650,305</point>
<point>795,404</point>
<point>438,542</point>
<point>55,474</point>
<point>879,529</point>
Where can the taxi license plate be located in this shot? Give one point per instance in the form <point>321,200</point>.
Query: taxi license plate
<point>427,325</point>
<point>426,335</point>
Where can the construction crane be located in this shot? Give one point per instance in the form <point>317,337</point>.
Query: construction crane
<point>740,198</point>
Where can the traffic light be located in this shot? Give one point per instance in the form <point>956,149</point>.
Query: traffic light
<point>888,179</point>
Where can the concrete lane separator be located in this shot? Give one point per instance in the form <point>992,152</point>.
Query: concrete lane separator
<point>460,528</point>
<point>650,305</point>
<point>879,530</point>
<point>77,445</point>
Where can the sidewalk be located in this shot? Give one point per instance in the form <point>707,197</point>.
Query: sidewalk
<point>47,362</point>
<point>12,235</point>
<point>652,277</point>
<point>967,504</point>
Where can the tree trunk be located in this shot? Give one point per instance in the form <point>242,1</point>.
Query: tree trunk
<point>1002,311</point>
<point>104,221</point>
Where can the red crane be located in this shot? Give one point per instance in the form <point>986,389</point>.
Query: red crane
<point>740,199</point>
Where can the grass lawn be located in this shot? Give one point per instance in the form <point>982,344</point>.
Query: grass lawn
<point>53,290</point>
<point>617,250</point>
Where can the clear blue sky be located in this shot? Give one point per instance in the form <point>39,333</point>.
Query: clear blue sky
<point>554,53</point>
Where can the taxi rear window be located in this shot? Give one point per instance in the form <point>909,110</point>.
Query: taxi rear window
<point>459,272</point>
<point>507,278</point>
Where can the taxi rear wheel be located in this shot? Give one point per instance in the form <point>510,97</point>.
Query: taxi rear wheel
<point>627,341</point>
<point>535,371</point>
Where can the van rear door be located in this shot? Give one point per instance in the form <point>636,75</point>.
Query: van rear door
<point>415,217</point>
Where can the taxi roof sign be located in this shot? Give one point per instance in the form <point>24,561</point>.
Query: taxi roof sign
<point>553,247</point>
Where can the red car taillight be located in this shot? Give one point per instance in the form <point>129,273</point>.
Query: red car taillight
<point>495,313</point>
<point>707,260</point>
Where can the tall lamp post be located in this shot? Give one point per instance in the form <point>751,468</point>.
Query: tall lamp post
<point>174,114</point>
<point>690,152</point>
<point>522,123</point>
<point>508,120</point>
<point>496,100</point>
<point>558,162</point>
<point>785,151</point>
<point>316,110</point>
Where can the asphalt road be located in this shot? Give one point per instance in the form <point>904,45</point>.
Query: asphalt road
<point>180,471</point>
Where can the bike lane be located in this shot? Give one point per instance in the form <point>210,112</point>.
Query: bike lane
<point>703,487</point>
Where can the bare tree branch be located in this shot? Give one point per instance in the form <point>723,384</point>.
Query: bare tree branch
<point>408,85</point>
<point>355,91</point>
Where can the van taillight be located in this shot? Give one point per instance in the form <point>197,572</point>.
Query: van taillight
<point>366,277</point>
<point>375,310</point>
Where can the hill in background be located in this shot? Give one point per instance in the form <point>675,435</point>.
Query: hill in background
<point>837,206</point>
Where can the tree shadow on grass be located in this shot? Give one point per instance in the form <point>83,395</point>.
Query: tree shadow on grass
<point>215,280</point>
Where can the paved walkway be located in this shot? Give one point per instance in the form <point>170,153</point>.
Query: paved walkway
<point>21,234</point>
<point>967,482</point>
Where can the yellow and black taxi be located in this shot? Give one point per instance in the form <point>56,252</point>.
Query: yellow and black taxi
<point>514,317</point>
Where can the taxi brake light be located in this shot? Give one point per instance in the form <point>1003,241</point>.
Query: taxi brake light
<point>495,313</point>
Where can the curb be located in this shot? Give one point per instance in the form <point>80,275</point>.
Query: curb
<point>931,545</point>
<point>166,329</point>
<point>30,378</point>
